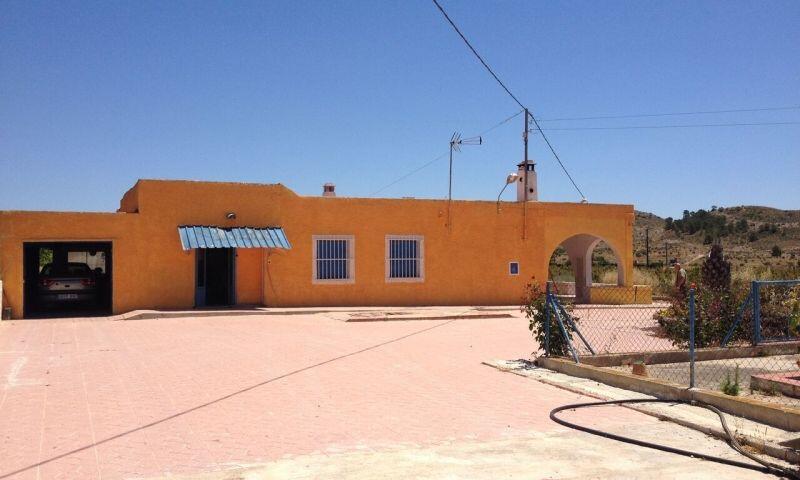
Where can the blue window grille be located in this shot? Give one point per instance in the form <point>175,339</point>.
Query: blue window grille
<point>333,261</point>
<point>405,258</point>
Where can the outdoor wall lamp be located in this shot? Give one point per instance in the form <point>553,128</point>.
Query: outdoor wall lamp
<point>230,215</point>
<point>511,178</point>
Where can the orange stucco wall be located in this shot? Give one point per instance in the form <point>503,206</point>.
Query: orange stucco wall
<point>465,264</point>
<point>249,276</point>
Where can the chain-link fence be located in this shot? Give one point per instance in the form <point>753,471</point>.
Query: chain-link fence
<point>743,342</point>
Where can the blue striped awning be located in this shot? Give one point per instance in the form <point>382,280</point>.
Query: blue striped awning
<point>199,236</point>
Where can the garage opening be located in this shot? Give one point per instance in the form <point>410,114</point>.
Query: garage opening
<point>67,279</point>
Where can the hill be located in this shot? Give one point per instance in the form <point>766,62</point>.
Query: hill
<point>749,236</point>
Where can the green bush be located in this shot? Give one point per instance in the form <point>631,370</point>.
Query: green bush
<point>535,311</point>
<point>716,302</point>
<point>780,311</point>
<point>714,310</point>
<point>729,387</point>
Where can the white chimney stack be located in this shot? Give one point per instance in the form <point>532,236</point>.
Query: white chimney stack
<point>329,190</point>
<point>533,190</point>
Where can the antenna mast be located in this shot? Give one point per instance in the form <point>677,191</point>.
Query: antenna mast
<point>525,180</point>
<point>455,145</point>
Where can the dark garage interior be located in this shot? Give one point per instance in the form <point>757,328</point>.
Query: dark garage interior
<point>67,279</point>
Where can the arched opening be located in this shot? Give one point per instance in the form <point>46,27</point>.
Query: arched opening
<point>560,273</point>
<point>605,267</point>
<point>582,260</point>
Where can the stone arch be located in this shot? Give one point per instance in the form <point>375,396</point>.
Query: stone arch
<point>579,249</point>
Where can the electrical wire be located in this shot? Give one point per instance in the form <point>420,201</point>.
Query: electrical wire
<point>506,120</point>
<point>544,137</point>
<point>764,466</point>
<point>669,114</point>
<point>503,85</point>
<point>428,164</point>
<point>689,125</point>
<point>475,52</point>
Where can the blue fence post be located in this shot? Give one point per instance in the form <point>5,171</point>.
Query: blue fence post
<point>691,338</point>
<point>547,320</point>
<point>755,290</point>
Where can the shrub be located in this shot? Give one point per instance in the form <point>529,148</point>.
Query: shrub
<point>780,311</point>
<point>714,313</point>
<point>716,304</point>
<point>741,225</point>
<point>729,387</point>
<point>535,312</point>
<point>776,251</point>
<point>793,304</point>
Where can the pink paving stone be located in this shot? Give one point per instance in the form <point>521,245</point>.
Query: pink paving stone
<point>121,399</point>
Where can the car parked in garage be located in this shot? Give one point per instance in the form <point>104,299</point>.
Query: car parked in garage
<point>69,283</point>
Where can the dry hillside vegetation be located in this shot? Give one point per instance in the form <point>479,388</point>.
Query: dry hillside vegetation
<point>760,243</point>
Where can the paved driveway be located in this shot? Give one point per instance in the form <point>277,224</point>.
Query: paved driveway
<point>298,396</point>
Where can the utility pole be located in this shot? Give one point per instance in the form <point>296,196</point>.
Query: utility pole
<point>647,246</point>
<point>666,254</point>
<point>525,179</point>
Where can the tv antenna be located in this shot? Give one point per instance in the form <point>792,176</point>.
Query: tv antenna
<point>455,146</point>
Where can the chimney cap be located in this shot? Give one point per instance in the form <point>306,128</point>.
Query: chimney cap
<point>528,161</point>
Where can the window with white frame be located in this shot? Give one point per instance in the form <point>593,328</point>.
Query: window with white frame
<point>333,259</point>
<point>405,258</point>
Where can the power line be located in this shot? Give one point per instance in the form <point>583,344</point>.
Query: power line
<point>494,75</point>
<point>688,125</point>
<point>428,164</point>
<point>644,115</point>
<point>412,172</point>
<point>544,137</point>
<point>486,65</point>
<point>506,120</point>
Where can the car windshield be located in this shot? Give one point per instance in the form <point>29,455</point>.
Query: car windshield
<point>68,270</point>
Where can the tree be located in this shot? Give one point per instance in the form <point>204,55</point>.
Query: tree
<point>776,251</point>
<point>716,271</point>
<point>742,226</point>
<point>668,223</point>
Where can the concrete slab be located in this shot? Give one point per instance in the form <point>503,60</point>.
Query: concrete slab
<point>552,455</point>
<point>757,435</point>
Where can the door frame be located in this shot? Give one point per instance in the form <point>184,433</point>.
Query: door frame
<point>201,278</point>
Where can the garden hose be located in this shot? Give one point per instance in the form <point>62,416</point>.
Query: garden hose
<point>764,466</point>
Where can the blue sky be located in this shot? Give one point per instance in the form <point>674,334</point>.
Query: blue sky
<point>94,95</point>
